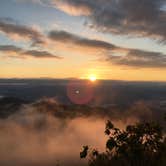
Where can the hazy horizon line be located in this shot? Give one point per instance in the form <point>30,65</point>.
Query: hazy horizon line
<point>74,78</point>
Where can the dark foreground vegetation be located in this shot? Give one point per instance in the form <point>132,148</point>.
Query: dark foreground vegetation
<point>143,144</point>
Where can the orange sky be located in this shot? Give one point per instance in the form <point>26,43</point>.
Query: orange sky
<point>59,39</point>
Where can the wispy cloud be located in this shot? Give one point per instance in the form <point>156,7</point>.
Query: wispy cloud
<point>139,58</point>
<point>17,31</point>
<point>109,52</point>
<point>64,36</point>
<point>112,53</point>
<point>40,54</point>
<point>10,48</point>
<point>70,8</point>
<point>17,52</point>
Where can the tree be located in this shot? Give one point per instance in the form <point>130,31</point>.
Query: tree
<point>138,145</point>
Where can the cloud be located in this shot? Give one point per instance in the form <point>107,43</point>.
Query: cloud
<point>139,58</point>
<point>145,18</point>
<point>16,31</point>
<point>110,52</point>
<point>40,54</point>
<point>41,139</point>
<point>64,36</point>
<point>10,48</point>
<point>114,54</point>
<point>71,9</point>
<point>17,52</point>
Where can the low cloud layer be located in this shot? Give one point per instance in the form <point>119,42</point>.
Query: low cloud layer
<point>38,135</point>
<point>33,138</point>
<point>145,18</point>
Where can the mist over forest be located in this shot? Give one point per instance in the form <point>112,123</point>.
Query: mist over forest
<point>40,124</point>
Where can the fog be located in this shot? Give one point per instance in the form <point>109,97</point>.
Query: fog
<point>29,138</point>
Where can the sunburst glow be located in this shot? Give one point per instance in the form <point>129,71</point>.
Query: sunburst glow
<point>92,78</point>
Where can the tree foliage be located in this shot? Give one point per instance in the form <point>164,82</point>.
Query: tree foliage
<point>138,145</point>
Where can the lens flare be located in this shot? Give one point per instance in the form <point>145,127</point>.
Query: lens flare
<point>80,91</point>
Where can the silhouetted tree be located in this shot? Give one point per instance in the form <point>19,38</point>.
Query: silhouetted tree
<point>143,144</point>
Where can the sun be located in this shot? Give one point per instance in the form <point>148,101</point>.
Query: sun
<point>92,78</point>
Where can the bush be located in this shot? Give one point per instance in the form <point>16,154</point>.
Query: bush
<point>143,144</point>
